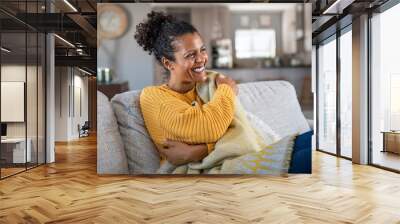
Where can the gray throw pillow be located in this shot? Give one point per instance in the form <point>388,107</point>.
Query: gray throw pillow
<point>142,155</point>
<point>111,157</point>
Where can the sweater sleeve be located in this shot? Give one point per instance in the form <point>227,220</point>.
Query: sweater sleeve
<point>210,147</point>
<point>198,124</point>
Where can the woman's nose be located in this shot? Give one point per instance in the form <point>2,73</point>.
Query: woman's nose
<point>200,58</point>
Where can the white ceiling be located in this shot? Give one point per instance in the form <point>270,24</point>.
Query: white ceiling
<point>261,6</point>
<point>233,6</point>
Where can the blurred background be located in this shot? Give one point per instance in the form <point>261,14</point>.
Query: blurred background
<point>248,42</point>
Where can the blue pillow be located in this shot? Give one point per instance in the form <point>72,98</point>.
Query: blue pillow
<point>301,156</point>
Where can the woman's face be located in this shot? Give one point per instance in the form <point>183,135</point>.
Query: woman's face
<point>190,59</point>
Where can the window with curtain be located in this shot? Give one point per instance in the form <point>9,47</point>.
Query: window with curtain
<point>385,86</point>
<point>395,102</point>
<point>346,94</point>
<point>255,43</point>
<point>327,97</point>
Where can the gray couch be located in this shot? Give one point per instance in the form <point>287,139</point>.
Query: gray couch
<point>124,146</point>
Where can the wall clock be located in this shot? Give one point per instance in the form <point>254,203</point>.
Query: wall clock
<point>112,21</point>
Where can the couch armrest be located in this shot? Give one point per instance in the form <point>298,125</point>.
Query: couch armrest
<point>111,156</point>
<point>310,123</point>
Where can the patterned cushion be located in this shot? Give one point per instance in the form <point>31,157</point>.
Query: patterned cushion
<point>141,152</point>
<point>111,157</point>
<point>274,160</point>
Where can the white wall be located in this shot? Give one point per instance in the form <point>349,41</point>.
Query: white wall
<point>79,117</point>
<point>50,97</point>
<point>67,115</point>
<point>12,73</point>
<point>360,90</point>
<point>124,56</point>
<point>84,85</point>
<point>288,30</point>
<point>314,91</point>
<point>33,126</point>
<point>61,103</point>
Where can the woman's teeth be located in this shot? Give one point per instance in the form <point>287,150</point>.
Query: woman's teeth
<point>199,69</point>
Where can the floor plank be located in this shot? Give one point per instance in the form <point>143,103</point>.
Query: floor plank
<point>70,191</point>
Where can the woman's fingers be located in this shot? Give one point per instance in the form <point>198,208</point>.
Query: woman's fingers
<point>221,79</point>
<point>162,152</point>
<point>170,143</point>
<point>166,143</point>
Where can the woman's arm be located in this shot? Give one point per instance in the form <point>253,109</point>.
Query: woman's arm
<point>183,122</point>
<point>179,153</point>
<point>198,124</point>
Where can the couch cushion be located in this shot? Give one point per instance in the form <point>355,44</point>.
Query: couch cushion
<point>301,156</point>
<point>111,157</point>
<point>274,102</point>
<point>141,152</point>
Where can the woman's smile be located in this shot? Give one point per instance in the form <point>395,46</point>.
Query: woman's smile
<point>199,69</point>
<point>198,73</point>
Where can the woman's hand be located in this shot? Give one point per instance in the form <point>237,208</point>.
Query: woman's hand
<point>221,79</point>
<point>179,153</point>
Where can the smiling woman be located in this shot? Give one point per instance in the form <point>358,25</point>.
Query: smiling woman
<point>182,126</point>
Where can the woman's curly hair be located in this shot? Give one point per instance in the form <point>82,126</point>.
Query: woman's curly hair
<point>157,33</point>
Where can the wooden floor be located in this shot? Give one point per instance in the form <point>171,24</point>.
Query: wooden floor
<point>70,191</point>
<point>387,159</point>
<point>10,171</point>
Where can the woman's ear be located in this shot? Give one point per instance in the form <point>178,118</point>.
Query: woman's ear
<point>167,64</point>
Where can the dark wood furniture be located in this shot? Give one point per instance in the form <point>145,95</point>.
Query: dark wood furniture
<point>391,141</point>
<point>112,89</point>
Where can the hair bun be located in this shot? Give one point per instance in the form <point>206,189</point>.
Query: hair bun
<point>148,31</point>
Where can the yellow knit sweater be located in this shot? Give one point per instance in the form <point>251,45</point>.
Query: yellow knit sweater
<point>184,117</point>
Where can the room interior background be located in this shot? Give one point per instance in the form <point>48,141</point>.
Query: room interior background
<point>232,34</point>
<point>48,90</point>
<point>357,82</point>
<point>22,99</point>
<point>250,43</point>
